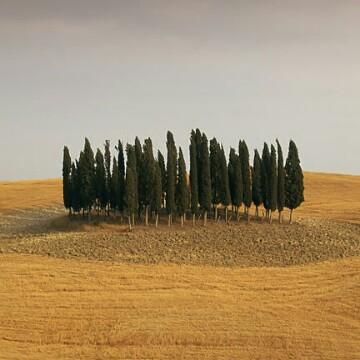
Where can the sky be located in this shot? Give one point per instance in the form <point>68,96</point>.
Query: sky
<point>255,70</point>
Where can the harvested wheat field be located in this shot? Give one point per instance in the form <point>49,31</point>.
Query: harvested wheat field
<point>69,290</point>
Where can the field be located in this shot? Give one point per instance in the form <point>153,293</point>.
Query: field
<point>241,291</point>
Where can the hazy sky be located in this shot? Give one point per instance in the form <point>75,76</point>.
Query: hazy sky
<point>237,69</point>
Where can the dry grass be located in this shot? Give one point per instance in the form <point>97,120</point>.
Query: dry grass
<point>73,309</point>
<point>76,309</point>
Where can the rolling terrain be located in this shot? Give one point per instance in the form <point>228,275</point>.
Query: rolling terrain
<point>280,292</point>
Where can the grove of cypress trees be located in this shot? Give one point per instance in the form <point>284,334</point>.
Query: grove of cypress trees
<point>205,186</point>
<point>161,161</point>
<point>215,173</point>
<point>246,175</point>
<point>157,193</point>
<point>281,181</point>
<point>114,188</point>
<point>265,178</point>
<point>107,158</point>
<point>100,180</point>
<point>147,176</point>
<point>225,197</point>
<point>235,180</point>
<point>66,172</point>
<point>171,176</point>
<point>294,180</point>
<point>181,188</point>
<point>121,167</point>
<point>194,198</point>
<point>273,181</point>
<point>256,183</point>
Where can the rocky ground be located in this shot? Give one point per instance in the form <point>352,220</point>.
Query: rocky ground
<point>49,233</point>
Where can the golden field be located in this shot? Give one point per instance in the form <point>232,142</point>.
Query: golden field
<point>79,309</point>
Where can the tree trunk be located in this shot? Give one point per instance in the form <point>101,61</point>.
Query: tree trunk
<point>146,215</point>
<point>216,213</point>
<point>193,219</point>
<point>169,220</point>
<point>205,218</point>
<point>270,217</point>
<point>157,220</point>
<point>280,219</point>
<point>182,220</point>
<point>133,219</point>
<point>226,215</point>
<point>291,211</point>
<point>130,227</point>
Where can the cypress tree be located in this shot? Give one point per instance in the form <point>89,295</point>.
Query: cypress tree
<point>273,182</point>
<point>281,181</point>
<point>198,142</point>
<point>157,192</point>
<point>82,187</point>
<point>139,170</point>
<point>225,197</point>
<point>246,175</point>
<point>193,178</point>
<point>66,172</point>
<point>131,163</point>
<point>147,180</point>
<point>162,166</point>
<point>256,182</point>
<point>171,176</point>
<point>235,180</point>
<point>121,167</point>
<point>107,158</point>
<point>88,177</point>
<point>181,188</point>
<point>265,178</point>
<point>215,173</point>
<point>205,186</point>
<point>75,187</point>
<point>114,198</point>
<point>100,180</point>
<point>294,180</point>
<point>131,195</point>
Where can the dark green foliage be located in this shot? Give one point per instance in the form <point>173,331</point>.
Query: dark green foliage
<point>205,185</point>
<point>148,170</point>
<point>181,186</point>
<point>193,176</point>
<point>107,158</point>
<point>114,188</point>
<point>256,181</point>
<point>246,174</point>
<point>215,171</point>
<point>225,197</point>
<point>66,172</point>
<point>171,174</point>
<point>162,166</point>
<point>130,202</point>
<point>235,179</point>
<point>294,179</point>
<point>273,180</point>
<point>281,179</point>
<point>265,177</point>
<point>157,189</point>
<point>198,142</point>
<point>75,187</point>
<point>100,180</point>
<point>131,163</point>
<point>121,167</point>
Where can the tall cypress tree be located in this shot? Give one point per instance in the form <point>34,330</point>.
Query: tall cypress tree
<point>100,180</point>
<point>66,172</point>
<point>198,142</point>
<point>215,173</point>
<point>75,187</point>
<point>121,167</point>
<point>162,166</point>
<point>281,181</point>
<point>235,180</point>
<point>294,180</point>
<point>131,163</point>
<point>157,192</point>
<point>273,181</point>
<point>256,182</point>
<point>88,177</point>
<point>205,186</point>
<point>193,178</point>
<point>246,175</point>
<point>114,198</point>
<point>181,188</point>
<point>171,176</point>
<point>225,197</point>
<point>139,171</point>
<point>130,202</point>
<point>265,178</point>
<point>107,158</point>
<point>147,180</point>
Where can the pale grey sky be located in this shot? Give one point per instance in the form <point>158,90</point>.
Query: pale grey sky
<point>254,69</point>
